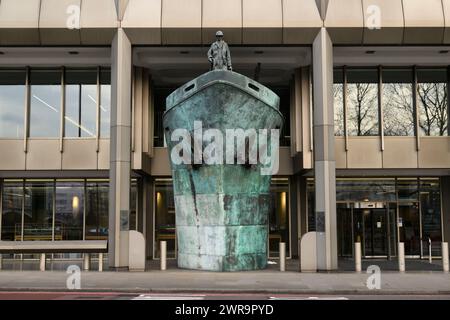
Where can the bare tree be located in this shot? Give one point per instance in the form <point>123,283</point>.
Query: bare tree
<point>338,94</point>
<point>363,109</point>
<point>433,105</point>
<point>398,109</point>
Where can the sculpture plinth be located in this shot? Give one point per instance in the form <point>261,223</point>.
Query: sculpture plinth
<point>221,208</point>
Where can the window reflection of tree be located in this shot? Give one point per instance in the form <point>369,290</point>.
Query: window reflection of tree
<point>398,109</point>
<point>363,109</point>
<point>338,94</point>
<point>433,109</point>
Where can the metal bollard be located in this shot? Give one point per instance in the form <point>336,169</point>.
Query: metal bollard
<point>401,257</point>
<point>100,262</point>
<point>163,249</point>
<point>358,265</point>
<point>86,261</point>
<point>445,257</point>
<point>282,256</point>
<point>42,262</point>
<point>430,256</point>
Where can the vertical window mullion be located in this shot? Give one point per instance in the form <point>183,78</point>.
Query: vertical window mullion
<point>63,109</point>
<point>1,207</point>
<point>420,218</point>
<point>23,210</point>
<point>84,208</point>
<point>311,110</point>
<point>380,106</point>
<point>80,88</point>
<point>98,123</point>
<point>448,101</point>
<point>416,108</point>
<point>54,209</point>
<point>344,98</point>
<point>133,107</point>
<point>26,129</point>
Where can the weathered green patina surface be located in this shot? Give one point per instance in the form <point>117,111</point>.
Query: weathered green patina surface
<point>221,209</point>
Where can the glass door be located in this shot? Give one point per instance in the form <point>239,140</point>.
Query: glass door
<point>345,230</point>
<point>376,230</point>
<point>409,228</point>
<point>371,225</point>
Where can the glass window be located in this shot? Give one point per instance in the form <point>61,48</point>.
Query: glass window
<point>160,106</point>
<point>12,199</point>
<point>133,204</point>
<point>45,106</point>
<point>362,102</point>
<point>279,216</point>
<point>97,210</point>
<point>165,217</point>
<point>12,103</point>
<point>430,203</point>
<point>69,210</point>
<point>311,205</point>
<point>362,190</point>
<point>38,213</point>
<point>338,94</point>
<point>105,102</point>
<point>408,189</point>
<point>81,103</point>
<point>285,108</point>
<point>398,107</point>
<point>433,102</point>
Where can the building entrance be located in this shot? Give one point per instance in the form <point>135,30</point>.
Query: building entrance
<point>372,224</point>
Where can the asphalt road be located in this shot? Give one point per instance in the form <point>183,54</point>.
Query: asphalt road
<point>27,295</point>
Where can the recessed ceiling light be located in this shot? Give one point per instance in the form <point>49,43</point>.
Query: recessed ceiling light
<point>444,51</point>
<point>184,52</point>
<point>370,52</point>
<point>259,52</point>
<point>73,53</point>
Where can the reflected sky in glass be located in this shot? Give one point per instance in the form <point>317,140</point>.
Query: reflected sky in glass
<point>12,101</point>
<point>105,110</point>
<point>397,101</point>
<point>433,102</point>
<point>45,111</point>
<point>80,120</point>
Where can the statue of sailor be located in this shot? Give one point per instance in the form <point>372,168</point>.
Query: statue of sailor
<point>219,54</point>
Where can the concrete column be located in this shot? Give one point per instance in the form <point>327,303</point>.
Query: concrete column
<point>324,162</point>
<point>120,157</point>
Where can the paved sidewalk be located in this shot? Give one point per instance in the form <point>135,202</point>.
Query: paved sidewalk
<point>252,282</point>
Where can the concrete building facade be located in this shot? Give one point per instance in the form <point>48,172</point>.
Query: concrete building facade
<point>364,87</point>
